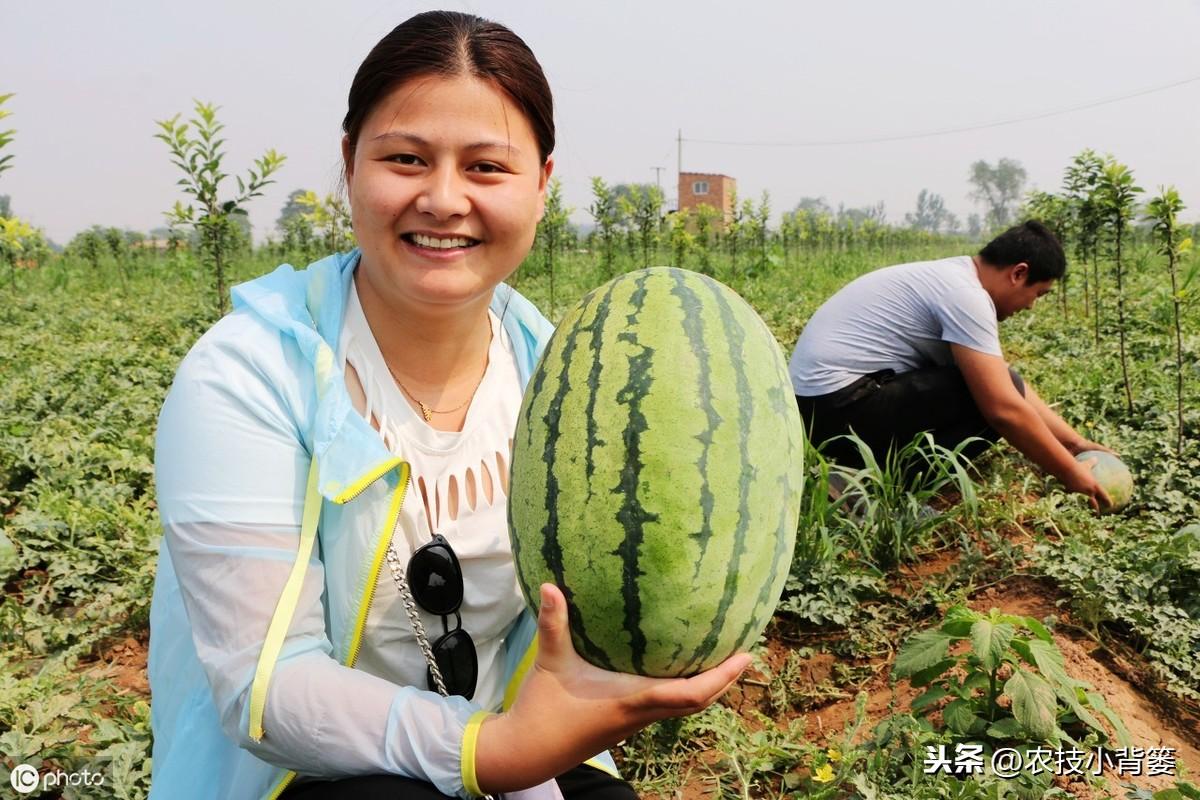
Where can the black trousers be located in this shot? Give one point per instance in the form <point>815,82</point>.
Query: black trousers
<point>887,410</point>
<point>581,783</point>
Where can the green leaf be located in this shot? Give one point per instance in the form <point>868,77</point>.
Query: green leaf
<point>959,620</point>
<point>930,697</point>
<point>976,680</point>
<point>920,652</point>
<point>1007,728</point>
<point>1021,646</point>
<point>1123,738</point>
<point>959,716</point>
<point>990,640</point>
<point>928,675</point>
<point>1033,703</point>
<point>1039,630</point>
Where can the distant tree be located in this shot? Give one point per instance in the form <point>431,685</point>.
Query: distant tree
<point>196,148</point>
<point>814,204</point>
<point>1163,212</point>
<point>705,216</point>
<point>998,188</point>
<point>552,230</point>
<point>1081,183</point>
<point>1117,193</point>
<point>641,206</point>
<point>291,209</point>
<point>974,226</point>
<point>757,218</point>
<point>875,213</point>
<point>5,206</point>
<point>930,215</point>
<point>604,210</point>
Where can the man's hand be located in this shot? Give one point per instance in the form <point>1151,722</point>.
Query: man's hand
<point>1083,445</point>
<point>568,710</point>
<point>1084,482</point>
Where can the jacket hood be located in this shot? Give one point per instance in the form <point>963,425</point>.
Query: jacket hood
<point>308,305</point>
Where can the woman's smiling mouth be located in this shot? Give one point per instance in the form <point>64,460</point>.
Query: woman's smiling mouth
<point>433,242</point>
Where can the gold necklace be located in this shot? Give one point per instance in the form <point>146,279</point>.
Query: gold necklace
<point>428,411</point>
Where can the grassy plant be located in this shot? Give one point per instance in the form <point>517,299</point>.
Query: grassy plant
<point>891,497</point>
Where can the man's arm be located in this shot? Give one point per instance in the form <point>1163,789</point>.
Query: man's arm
<point>1020,422</point>
<point>1066,435</point>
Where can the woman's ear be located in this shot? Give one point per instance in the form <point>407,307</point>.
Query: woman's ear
<point>347,161</point>
<point>543,181</point>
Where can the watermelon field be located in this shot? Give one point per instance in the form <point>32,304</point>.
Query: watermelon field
<point>982,606</point>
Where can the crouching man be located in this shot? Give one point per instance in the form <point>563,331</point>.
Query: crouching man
<point>916,347</point>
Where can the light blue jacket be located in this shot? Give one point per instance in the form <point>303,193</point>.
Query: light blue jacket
<point>259,395</point>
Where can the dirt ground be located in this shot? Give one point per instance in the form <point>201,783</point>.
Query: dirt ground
<point>1149,724</point>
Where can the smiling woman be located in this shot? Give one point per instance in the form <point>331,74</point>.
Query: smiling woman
<point>336,612</point>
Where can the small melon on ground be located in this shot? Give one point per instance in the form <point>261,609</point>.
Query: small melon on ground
<point>1112,475</point>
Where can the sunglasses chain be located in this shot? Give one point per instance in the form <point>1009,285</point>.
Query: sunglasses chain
<point>410,608</point>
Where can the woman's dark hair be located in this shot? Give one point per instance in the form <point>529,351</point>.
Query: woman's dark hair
<point>1033,243</point>
<point>449,43</point>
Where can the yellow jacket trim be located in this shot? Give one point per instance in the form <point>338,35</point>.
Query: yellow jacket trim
<point>385,538</point>
<point>518,676</point>
<point>357,488</point>
<point>285,609</point>
<point>467,760</point>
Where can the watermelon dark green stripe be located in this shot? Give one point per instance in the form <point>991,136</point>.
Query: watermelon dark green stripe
<point>552,552</point>
<point>735,336</point>
<point>633,516</point>
<point>693,327</point>
<point>596,328</point>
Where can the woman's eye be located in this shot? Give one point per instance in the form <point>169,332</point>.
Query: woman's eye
<point>488,168</point>
<point>408,159</point>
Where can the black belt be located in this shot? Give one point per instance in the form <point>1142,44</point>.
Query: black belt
<point>860,388</point>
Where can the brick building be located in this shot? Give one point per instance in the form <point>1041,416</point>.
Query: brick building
<point>704,188</point>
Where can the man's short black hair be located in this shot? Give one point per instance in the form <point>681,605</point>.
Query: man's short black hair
<point>1033,243</point>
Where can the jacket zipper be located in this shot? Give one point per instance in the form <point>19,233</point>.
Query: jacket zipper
<point>373,577</point>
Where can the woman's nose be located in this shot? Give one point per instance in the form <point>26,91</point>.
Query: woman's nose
<point>444,194</point>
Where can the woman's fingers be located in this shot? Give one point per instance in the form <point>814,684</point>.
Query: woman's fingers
<point>688,695</point>
<point>554,635</point>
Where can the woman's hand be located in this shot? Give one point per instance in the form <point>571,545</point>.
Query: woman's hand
<point>569,710</point>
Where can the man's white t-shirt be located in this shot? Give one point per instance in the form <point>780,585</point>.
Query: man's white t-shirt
<point>903,317</point>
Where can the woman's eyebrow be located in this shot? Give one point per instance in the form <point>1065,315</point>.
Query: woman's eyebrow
<point>417,140</point>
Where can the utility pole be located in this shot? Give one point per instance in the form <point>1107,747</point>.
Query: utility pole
<point>679,155</point>
<point>658,176</point>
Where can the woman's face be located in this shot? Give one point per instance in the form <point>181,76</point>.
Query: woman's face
<point>446,189</point>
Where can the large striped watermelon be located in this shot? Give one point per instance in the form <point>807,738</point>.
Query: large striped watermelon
<point>656,473</point>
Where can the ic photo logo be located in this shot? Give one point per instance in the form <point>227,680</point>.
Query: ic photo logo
<point>26,779</point>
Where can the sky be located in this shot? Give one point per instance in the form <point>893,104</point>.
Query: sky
<point>933,78</point>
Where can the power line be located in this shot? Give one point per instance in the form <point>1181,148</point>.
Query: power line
<point>948,131</point>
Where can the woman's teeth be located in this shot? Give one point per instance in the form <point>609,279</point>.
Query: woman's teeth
<point>422,240</point>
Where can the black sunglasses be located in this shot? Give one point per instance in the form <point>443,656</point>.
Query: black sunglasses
<point>436,581</point>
